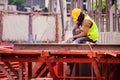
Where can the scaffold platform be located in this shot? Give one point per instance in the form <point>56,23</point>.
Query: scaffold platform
<point>39,60</point>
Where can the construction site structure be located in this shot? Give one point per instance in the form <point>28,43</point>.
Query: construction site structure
<point>31,47</point>
<point>52,61</point>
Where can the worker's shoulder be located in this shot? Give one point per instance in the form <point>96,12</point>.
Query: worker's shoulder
<point>87,23</point>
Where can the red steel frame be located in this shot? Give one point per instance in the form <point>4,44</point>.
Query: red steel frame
<point>48,55</point>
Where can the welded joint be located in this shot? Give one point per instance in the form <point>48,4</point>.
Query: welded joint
<point>44,54</point>
<point>51,70</point>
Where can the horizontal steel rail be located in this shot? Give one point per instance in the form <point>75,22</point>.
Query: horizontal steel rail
<point>68,47</point>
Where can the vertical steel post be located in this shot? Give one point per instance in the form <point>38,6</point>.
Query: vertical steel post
<point>26,70</point>
<point>60,69</point>
<point>57,33</point>
<point>115,26</point>
<point>1,27</point>
<point>99,12</point>
<point>21,71</point>
<point>108,15</point>
<point>62,19</point>
<point>29,70</point>
<point>96,69</point>
<point>30,36</point>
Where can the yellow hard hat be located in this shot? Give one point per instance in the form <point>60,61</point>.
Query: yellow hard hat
<point>75,13</point>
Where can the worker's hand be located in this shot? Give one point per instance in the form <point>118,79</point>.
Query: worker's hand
<point>77,31</point>
<point>71,39</point>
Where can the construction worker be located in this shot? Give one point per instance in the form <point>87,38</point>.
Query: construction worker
<point>89,28</point>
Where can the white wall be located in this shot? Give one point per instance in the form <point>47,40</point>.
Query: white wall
<point>15,28</point>
<point>44,28</point>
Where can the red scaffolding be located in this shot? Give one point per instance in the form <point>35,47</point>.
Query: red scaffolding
<point>51,58</point>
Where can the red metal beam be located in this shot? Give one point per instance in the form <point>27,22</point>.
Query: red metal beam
<point>68,47</point>
<point>59,53</point>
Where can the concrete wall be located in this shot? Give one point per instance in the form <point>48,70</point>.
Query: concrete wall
<point>15,28</point>
<point>44,28</point>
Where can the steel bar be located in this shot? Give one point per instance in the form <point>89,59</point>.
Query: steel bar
<point>67,47</point>
<point>11,68</point>
<point>21,71</point>
<point>52,73</point>
<point>60,69</point>
<point>62,17</point>
<point>44,72</point>
<point>6,73</point>
<point>26,71</point>
<point>70,60</point>
<point>41,67</point>
<point>96,70</point>
<point>29,70</point>
<point>57,30</point>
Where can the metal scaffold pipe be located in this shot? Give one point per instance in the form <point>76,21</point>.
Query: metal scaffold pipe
<point>30,35</point>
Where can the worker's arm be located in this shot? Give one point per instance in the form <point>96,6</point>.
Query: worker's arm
<point>87,24</point>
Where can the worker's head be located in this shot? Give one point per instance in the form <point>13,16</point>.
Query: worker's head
<point>76,13</point>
